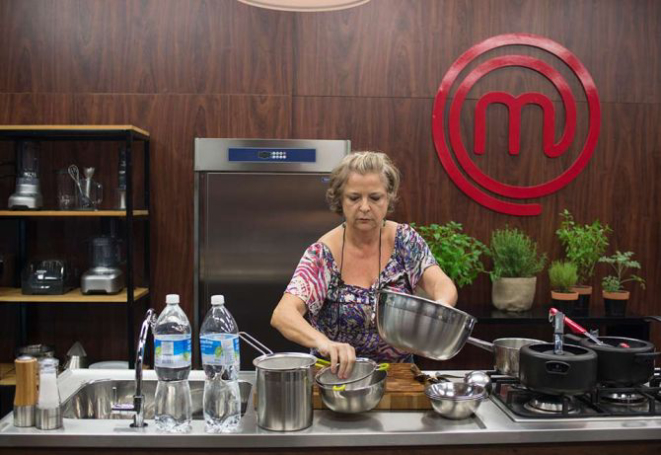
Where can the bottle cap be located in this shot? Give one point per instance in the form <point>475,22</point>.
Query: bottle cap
<point>172,299</point>
<point>218,299</point>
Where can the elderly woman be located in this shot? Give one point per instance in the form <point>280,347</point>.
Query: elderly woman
<point>330,303</point>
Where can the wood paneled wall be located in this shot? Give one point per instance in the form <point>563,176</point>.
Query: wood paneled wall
<point>190,68</point>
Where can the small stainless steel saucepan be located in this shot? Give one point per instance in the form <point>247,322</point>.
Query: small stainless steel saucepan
<point>506,352</point>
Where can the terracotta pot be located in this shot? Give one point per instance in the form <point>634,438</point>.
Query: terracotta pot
<point>565,301</point>
<point>615,303</point>
<point>584,293</point>
<point>513,294</point>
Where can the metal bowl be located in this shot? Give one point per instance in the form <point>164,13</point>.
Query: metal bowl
<point>353,399</point>
<point>422,326</point>
<point>455,400</point>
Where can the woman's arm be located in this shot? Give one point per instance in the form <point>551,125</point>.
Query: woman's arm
<point>288,319</point>
<point>439,286</point>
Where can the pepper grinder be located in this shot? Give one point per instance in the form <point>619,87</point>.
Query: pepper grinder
<point>49,414</point>
<point>25,399</point>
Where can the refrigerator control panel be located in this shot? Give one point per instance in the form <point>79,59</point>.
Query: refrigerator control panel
<point>272,155</point>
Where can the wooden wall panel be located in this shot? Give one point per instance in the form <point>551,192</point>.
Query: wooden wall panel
<point>189,68</point>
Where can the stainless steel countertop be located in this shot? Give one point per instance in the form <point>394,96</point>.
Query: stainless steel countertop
<point>377,428</point>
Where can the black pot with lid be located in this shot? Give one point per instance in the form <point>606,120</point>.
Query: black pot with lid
<point>572,372</point>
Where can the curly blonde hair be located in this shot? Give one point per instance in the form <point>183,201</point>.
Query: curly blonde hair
<point>362,163</point>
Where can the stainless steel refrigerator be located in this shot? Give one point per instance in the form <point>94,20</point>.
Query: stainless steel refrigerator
<point>259,203</point>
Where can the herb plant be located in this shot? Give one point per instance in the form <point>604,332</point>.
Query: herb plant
<point>621,263</point>
<point>562,276</point>
<point>458,254</point>
<point>584,244</point>
<point>514,255</point>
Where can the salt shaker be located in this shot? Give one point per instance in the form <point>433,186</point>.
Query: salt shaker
<point>49,414</point>
<point>25,399</point>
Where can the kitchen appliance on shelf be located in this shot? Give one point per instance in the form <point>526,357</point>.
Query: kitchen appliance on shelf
<point>104,276</point>
<point>259,203</point>
<point>47,277</point>
<point>28,191</point>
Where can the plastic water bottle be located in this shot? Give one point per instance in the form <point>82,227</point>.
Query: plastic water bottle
<point>219,343</point>
<point>172,362</point>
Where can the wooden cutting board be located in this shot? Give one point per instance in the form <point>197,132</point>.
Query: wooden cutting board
<point>402,391</point>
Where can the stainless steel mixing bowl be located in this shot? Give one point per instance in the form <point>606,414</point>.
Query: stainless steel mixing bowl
<point>422,326</point>
<point>353,399</point>
<point>455,400</point>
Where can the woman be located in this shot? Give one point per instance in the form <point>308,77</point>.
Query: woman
<point>330,303</point>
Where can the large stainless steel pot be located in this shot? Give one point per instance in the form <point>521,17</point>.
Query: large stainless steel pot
<point>284,388</point>
<point>506,352</point>
<point>422,326</point>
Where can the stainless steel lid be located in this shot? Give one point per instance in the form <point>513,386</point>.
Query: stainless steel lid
<point>284,361</point>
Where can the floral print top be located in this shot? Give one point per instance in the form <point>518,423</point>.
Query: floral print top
<point>345,313</point>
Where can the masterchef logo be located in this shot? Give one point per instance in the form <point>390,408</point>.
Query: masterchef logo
<point>451,149</point>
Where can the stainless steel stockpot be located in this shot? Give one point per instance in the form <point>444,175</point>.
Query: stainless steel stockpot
<point>284,390</point>
<point>422,326</point>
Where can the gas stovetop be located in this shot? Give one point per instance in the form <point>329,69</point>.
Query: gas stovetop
<point>602,403</point>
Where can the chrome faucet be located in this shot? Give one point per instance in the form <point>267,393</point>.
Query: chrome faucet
<point>138,406</point>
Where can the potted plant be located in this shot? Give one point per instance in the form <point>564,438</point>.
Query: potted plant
<point>615,296</point>
<point>457,253</point>
<point>584,245</point>
<point>515,266</point>
<point>562,277</point>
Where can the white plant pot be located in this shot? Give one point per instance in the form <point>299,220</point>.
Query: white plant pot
<point>513,294</point>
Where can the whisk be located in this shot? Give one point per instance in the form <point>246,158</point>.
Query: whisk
<point>75,175</point>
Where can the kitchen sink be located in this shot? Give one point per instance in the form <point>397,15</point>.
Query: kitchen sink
<point>95,399</point>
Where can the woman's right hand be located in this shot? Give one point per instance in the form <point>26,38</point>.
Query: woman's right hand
<point>339,354</point>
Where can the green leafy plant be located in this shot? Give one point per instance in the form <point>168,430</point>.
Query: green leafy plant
<point>584,244</point>
<point>562,276</point>
<point>458,254</point>
<point>621,263</point>
<point>514,255</point>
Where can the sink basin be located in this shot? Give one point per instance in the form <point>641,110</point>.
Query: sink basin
<point>95,399</point>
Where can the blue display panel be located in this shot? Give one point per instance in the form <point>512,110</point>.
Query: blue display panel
<point>272,155</point>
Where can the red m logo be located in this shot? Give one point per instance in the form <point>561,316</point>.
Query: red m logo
<point>514,106</point>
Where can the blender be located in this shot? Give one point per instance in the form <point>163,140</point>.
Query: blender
<point>28,192</point>
<point>105,276</point>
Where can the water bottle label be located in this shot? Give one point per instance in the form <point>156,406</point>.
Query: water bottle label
<point>220,349</point>
<point>172,351</point>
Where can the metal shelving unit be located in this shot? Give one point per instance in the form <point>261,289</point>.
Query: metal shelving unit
<point>128,134</point>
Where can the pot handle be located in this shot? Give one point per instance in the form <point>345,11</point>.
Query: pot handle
<point>481,344</point>
<point>652,318</point>
<point>255,343</point>
<point>557,367</point>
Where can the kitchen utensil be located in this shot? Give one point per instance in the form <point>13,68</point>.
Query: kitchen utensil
<point>402,391</point>
<point>76,357</point>
<point>284,387</point>
<point>480,378</point>
<point>66,190</point>
<point>25,399</point>
<point>619,366</point>
<point>360,376</point>
<point>354,398</point>
<point>104,276</point>
<point>576,328</point>
<point>48,412</point>
<point>573,372</point>
<point>48,277</point>
<point>422,326</point>
<point>455,400</point>
<point>421,377</point>
<point>38,351</point>
<point>506,352</point>
<point>28,191</point>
